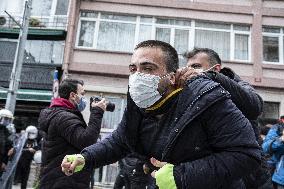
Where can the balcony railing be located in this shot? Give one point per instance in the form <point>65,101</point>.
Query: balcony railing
<point>40,22</point>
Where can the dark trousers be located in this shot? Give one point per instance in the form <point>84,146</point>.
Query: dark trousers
<point>23,171</point>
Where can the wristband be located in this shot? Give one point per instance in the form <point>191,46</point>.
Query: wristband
<point>72,158</point>
<point>165,177</point>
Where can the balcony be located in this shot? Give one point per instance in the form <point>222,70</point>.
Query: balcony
<point>40,27</point>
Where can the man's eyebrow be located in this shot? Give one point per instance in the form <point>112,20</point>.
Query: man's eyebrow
<point>148,63</point>
<point>195,64</point>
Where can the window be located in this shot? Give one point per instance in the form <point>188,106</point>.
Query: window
<point>47,52</point>
<point>116,36</point>
<point>163,34</point>
<point>216,40</point>
<point>241,47</point>
<point>107,174</point>
<point>86,35</point>
<point>51,13</point>
<point>8,50</point>
<point>112,119</point>
<point>41,8</point>
<point>62,7</point>
<point>115,32</point>
<point>273,44</point>
<point>270,113</point>
<point>270,49</point>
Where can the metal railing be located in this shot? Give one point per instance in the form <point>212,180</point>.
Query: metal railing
<point>41,22</point>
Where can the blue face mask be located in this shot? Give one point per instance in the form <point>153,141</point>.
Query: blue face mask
<point>82,104</point>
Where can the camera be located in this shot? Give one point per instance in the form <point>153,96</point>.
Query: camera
<point>109,106</point>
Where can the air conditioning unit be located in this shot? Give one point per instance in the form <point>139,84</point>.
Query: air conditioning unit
<point>2,20</point>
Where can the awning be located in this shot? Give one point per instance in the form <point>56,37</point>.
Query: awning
<point>34,33</point>
<point>30,95</point>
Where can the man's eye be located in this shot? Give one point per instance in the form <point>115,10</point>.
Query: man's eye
<point>148,69</point>
<point>195,66</point>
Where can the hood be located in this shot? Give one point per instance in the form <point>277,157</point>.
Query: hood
<point>45,117</point>
<point>62,102</point>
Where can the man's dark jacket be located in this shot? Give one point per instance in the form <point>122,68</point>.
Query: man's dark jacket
<point>65,133</point>
<point>250,103</point>
<point>208,138</point>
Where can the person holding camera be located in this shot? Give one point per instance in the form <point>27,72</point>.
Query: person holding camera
<point>273,144</point>
<point>65,132</point>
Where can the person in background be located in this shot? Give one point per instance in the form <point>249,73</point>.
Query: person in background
<point>206,61</point>
<point>29,149</point>
<point>264,131</point>
<point>273,144</point>
<point>65,131</point>
<point>7,131</point>
<point>131,174</point>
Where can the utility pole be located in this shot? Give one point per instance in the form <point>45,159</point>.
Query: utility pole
<point>19,58</point>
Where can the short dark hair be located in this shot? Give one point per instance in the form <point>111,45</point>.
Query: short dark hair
<point>213,57</point>
<point>171,56</point>
<point>282,117</point>
<point>67,86</point>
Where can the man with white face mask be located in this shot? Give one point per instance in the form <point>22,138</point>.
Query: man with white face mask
<point>65,132</point>
<point>197,130</point>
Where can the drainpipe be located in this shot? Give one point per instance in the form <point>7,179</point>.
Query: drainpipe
<point>68,50</point>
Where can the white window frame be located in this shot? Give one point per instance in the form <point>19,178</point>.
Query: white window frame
<point>191,38</point>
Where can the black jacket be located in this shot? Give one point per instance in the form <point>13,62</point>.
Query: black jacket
<point>209,140</point>
<point>65,133</point>
<point>251,105</point>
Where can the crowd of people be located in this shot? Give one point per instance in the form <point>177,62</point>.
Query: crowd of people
<point>191,127</point>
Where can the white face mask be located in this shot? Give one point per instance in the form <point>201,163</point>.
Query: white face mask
<point>143,89</point>
<point>201,70</point>
<point>32,136</point>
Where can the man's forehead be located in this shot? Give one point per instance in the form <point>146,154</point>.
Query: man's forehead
<point>147,54</point>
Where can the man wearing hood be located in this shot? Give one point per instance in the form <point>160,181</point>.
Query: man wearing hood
<point>65,132</point>
<point>204,138</point>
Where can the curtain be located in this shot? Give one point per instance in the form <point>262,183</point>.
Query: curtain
<point>144,33</point>
<point>86,35</point>
<point>181,40</point>
<point>216,40</point>
<point>163,34</point>
<point>241,47</point>
<point>116,36</point>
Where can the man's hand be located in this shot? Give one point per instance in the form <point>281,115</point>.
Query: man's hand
<point>156,163</point>
<point>10,152</point>
<point>72,163</point>
<point>3,167</point>
<point>184,74</point>
<point>101,104</point>
<point>32,150</point>
<point>164,176</point>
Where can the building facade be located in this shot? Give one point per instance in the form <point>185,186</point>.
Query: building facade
<point>247,34</point>
<point>43,54</point>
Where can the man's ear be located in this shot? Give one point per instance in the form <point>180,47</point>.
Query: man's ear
<point>217,67</point>
<point>72,95</point>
